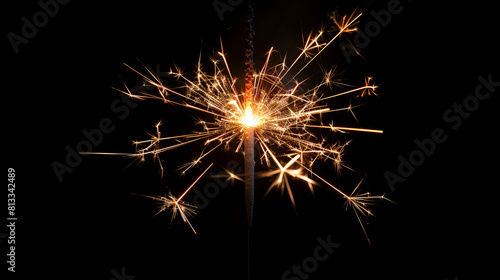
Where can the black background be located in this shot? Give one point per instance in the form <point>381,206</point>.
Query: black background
<point>428,58</point>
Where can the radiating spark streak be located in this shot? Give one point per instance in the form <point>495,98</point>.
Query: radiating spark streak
<point>362,227</point>
<point>230,176</point>
<point>304,51</point>
<point>359,203</point>
<point>334,128</point>
<point>326,182</point>
<point>128,92</point>
<point>108,154</point>
<point>167,138</point>
<point>160,150</point>
<point>299,115</point>
<point>202,110</point>
<point>262,74</point>
<point>349,23</point>
<point>340,109</point>
<point>348,91</point>
<point>197,179</point>
<point>221,53</point>
<point>188,165</point>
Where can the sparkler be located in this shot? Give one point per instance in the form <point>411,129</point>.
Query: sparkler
<point>274,113</point>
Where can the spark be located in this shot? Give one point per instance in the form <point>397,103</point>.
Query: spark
<point>176,205</point>
<point>282,181</point>
<point>341,128</point>
<point>359,202</point>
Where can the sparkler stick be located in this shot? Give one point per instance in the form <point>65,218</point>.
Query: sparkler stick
<point>249,131</point>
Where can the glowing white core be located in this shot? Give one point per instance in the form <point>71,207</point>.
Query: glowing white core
<point>248,119</point>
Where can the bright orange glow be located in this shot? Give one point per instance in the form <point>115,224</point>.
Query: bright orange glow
<point>249,119</point>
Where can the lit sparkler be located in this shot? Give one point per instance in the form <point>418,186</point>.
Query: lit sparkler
<point>274,113</point>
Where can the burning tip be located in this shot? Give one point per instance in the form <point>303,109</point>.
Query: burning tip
<point>249,119</point>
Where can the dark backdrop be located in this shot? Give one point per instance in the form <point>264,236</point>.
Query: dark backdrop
<point>90,226</point>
